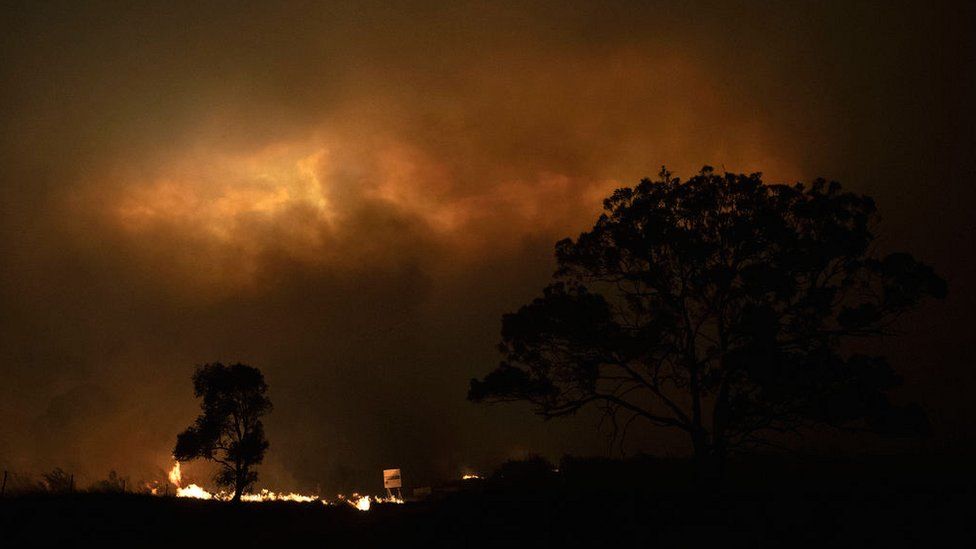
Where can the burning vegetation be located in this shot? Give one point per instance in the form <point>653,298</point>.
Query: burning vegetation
<point>229,432</point>
<point>175,475</point>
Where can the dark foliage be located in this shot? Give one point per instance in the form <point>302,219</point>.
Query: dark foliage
<point>229,431</point>
<point>720,307</point>
<point>114,483</point>
<point>533,471</point>
<point>58,481</point>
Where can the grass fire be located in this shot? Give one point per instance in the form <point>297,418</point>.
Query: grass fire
<point>194,491</point>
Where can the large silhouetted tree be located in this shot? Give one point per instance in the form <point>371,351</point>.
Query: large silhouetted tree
<point>229,431</point>
<point>719,306</point>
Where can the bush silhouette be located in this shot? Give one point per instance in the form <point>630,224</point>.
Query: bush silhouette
<point>113,484</point>
<point>58,481</point>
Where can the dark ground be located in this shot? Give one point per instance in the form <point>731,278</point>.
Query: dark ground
<point>882,502</point>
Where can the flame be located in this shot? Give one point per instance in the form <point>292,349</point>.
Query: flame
<point>193,491</point>
<point>359,502</point>
<point>267,495</point>
<point>175,476</point>
<point>469,477</point>
<point>362,503</point>
<point>391,499</point>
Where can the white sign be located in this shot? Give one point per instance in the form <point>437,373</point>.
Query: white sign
<point>391,478</point>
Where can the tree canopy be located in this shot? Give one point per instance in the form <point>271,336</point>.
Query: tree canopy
<point>229,430</point>
<point>719,306</point>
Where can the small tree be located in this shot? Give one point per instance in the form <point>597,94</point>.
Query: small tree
<point>229,431</point>
<point>58,481</point>
<point>114,483</point>
<point>719,307</point>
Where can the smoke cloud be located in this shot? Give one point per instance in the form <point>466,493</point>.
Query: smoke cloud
<point>349,196</point>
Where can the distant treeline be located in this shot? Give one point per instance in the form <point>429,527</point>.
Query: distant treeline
<point>59,481</point>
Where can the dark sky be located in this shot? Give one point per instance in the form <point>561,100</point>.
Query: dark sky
<point>349,196</point>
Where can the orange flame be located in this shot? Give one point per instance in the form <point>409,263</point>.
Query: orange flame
<point>175,475</point>
<point>362,503</point>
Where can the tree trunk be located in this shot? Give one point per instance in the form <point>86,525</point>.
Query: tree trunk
<point>709,460</point>
<point>720,421</point>
<point>719,459</point>
<point>238,485</point>
<point>699,442</point>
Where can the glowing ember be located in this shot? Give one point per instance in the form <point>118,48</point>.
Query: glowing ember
<point>391,499</point>
<point>469,477</point>
<point>154,488</point>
